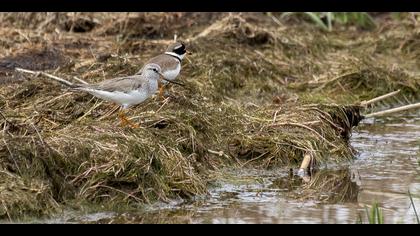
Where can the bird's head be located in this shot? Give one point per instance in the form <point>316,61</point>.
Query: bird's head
<point>153,68</point>
<point>178,48</point>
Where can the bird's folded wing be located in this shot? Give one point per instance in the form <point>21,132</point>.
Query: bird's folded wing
<point>122,84</point>
<point>166,62</point>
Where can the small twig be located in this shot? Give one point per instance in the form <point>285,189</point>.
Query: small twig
<point>275,116</point>
<point>394,110</point>
<point>380,98</point>
<point>277,21</point>
<point>308,128</point>
<point>87,62</point>
<point>254,159</point>
<point>39,135</point>
<point>5,119</point>
<point>51,122</point>
<point>120,191</point>
<point>220,153</point>
<point>327,82</point>
<point>125,25</point>
<point>73,23</point>
<point>47,21</point>
<point>7,173</point>
<point>23,35</point>
<point>6,122</point>
<point>414,207</point>
<point>56,98</point>
<point>80,80</point>
<point>90,110</point>
<point>164,103</point>
<point>110,112</point>
<point>47,75</point>
<point>11,155</point>
<point>7,211</point>
<point>93,54</point>
<point>305,162</point>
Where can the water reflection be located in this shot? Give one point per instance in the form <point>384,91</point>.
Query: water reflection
<point>386,168</point>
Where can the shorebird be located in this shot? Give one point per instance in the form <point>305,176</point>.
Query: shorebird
<point>124,91</point>
<point>170,63</point>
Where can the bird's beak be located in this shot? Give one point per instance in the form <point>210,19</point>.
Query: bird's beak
<point>170,81</point>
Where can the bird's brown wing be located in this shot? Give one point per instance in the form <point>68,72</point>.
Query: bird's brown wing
<point>122,84</point>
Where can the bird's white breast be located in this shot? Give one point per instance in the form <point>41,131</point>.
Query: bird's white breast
<point>172,74</point>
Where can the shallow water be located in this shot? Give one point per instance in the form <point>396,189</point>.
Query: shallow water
<point>387,166</point>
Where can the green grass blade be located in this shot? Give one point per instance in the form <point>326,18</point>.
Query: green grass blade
<point>317,20</point>
<point>370,20</point>
<point>380,216</point>
<point>345,18</point>
<point>373,214</point>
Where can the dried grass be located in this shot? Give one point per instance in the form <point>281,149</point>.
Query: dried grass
<point>248,85</point>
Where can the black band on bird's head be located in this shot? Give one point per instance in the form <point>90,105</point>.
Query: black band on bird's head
<point>180,50</point>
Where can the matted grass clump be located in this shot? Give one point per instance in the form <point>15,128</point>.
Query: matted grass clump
<point>251,84</point>
<point>172,154</point>
<point>20,196</point>
<point>281,136</point>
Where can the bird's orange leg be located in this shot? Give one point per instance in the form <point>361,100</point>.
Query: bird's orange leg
<point>161,90</point>
<point>125,121</point>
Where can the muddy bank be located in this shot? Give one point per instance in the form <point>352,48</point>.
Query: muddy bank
<point>251,85</point>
